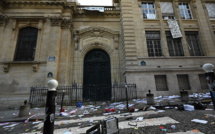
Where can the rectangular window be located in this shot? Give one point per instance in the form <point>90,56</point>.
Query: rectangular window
<point>185,11</point>
<point>174,45</point>
<point>211,10</point>
<point>153,44</point>
<point>194,44</point>
<point>148,10</point>
<point>161,83</point>
<point>167,10</point>
<point>183,82</point>
<point>203,82</point>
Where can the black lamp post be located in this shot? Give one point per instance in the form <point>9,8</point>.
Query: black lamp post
<point>50,107</point>
<point>209,74</point>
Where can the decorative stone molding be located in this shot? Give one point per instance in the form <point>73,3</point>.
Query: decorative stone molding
<point>66,23</point>
<point>94,45</point>
<point>3,19</point>
<point>14,24</point>
<point>98,29</point>
<point>76,39</point>
<point>116,40</point>
<point>35,67</point>
<point>56,21</point>
<point>6,68</point>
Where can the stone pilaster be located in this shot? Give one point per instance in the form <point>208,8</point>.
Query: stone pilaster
<point>206,32</point>
<point>128,33</point>
<point>180,23</point>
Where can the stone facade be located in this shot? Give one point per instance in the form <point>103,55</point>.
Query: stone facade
<point>67,32</point>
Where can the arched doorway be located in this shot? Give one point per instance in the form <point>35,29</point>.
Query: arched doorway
<point>97,76</point>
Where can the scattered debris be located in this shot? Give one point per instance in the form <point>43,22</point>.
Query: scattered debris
<point>199,121</point>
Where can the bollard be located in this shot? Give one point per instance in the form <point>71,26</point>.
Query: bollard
<point>184,96</point>
<point>150,98</point>
<point>50,107</point>
<point>24,110</point>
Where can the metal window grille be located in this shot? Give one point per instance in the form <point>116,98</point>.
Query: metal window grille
<point>174,45</point>
<point>161,83</point>
<point>148,10</point>
<point>203,82</point>
<point>153,44</point>
<point>194,44</point>
<point>26,44</point>
<point>211,10</point>
<point>183,82</point>
<point>185,11</point>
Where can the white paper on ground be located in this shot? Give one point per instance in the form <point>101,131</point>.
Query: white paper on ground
<point>200,121</point>
<point>189,107</point>
<point>139,119</point>
<point>160,111</point>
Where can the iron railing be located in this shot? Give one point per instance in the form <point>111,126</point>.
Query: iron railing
<point>74,94</point>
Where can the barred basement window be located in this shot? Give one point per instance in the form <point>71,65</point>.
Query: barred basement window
<point>26,44</point>
<point>161,83</point>
<point>183,82</point>
<point>194,44</point>
<point>167,10</point>
<point>174,45</point>
<point>185,11</point>
<point>203,82</point>
<point>211,10</point>
<point>153,44</point>
<point>148,10</point>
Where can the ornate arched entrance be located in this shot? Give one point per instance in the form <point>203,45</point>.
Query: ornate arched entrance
<point>97,76</point>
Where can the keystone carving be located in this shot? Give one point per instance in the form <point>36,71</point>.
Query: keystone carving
<point>66,23</point>
<point>35,68</point>
<point>6,68</point>
<point>3,19</point>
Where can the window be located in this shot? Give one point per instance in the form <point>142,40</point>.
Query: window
<point>167,10</point>
<point>203,82</point>
<point>148,10</point>
<point>174,45</point>
<point>26,44</point>
<point>153,44</point>
<point>183,82</point>
<point>194,45</point>
<point>185,11</point>
<point>161,83</point>
<point>211,10</point>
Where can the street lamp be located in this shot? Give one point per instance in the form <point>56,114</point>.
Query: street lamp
<point>209,74</point>
<point>50,107</point>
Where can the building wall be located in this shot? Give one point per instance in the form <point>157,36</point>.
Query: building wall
<point>68,33</point>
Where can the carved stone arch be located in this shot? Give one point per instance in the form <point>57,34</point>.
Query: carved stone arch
<point>28,25</point>
<point>96,45</point>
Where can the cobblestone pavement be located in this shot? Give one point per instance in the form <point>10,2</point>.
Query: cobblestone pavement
<point>183,117</point>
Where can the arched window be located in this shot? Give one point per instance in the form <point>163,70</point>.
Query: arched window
<point>26,44</point>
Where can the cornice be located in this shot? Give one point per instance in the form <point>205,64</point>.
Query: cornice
<point>32,2</point>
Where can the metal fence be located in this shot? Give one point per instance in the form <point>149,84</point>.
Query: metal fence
<point>74,94</point>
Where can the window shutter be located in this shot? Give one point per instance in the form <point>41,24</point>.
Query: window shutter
<point>166,7</point>
<point>211,9</point>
